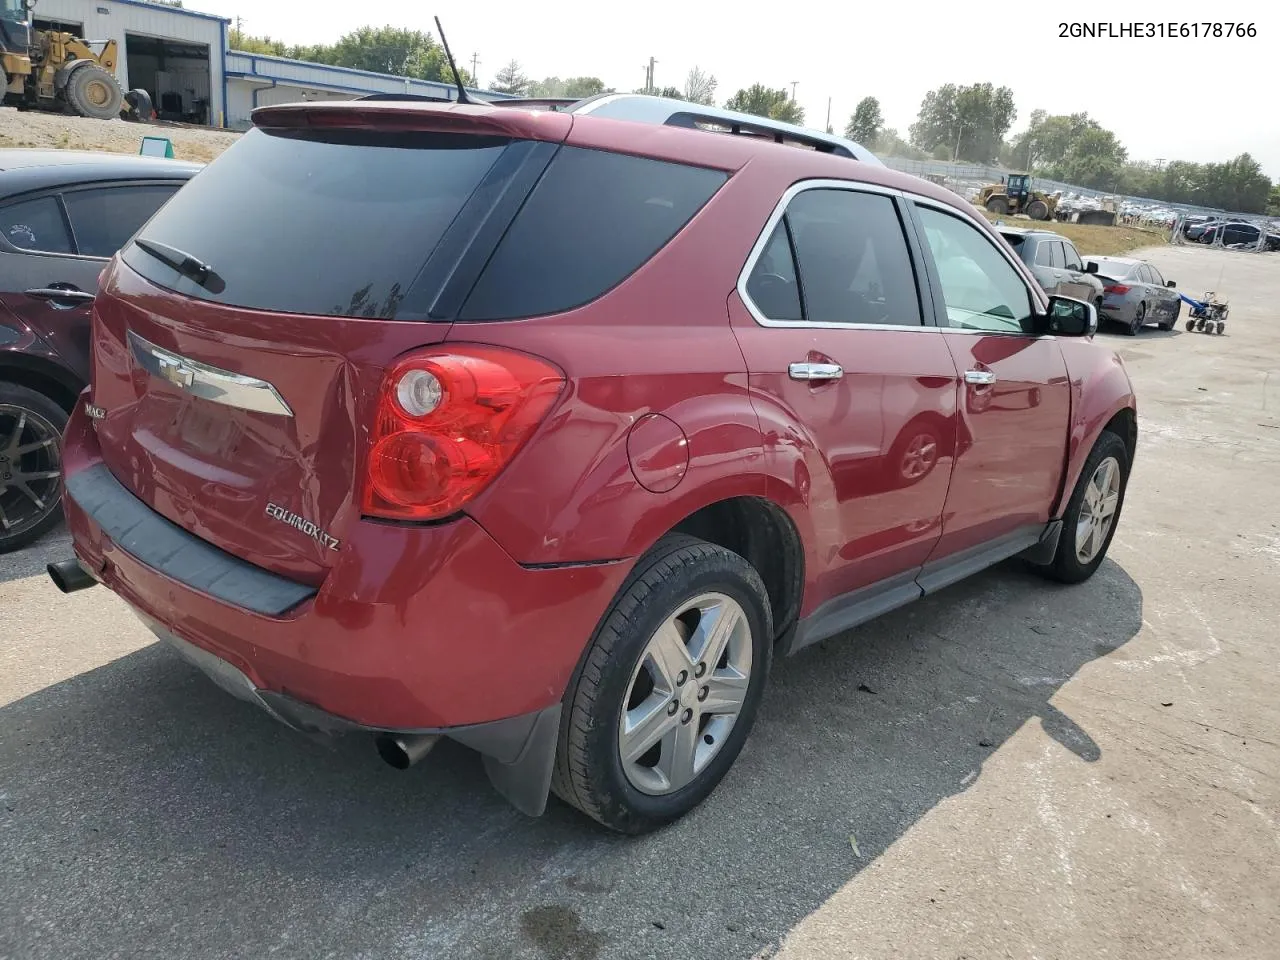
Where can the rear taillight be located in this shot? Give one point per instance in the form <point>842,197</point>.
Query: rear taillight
<point>1115,288</point>
<point>447,423</point>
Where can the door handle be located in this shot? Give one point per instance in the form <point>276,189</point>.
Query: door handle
<point>815,371</point>
<point>61,294</point>
<point>980,378</point>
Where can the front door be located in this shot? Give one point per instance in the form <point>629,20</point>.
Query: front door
<point>856,392</point>
<point>1015,396</point>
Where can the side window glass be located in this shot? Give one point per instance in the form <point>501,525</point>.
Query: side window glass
<point>106,218</point>
<point>1044,254</point>
<point>982,291</point>
<point>1073,258</point>
<point>772,285</point>
<point>1059,258</point>
<point>35,225</point>
<point>1156,278</point>
<point>854,263</point>
<point>1142,274</point>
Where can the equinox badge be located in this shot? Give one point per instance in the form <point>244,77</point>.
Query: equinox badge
<point>277,512</point>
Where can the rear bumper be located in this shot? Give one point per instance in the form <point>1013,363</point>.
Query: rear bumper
<point>415,629</point>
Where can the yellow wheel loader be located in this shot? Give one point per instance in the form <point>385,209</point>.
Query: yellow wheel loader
<point>1016,196</point>
<point>48,70</point>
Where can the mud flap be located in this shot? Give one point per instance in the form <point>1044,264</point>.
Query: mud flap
<point>1042,553</point>
<point>519,756</point>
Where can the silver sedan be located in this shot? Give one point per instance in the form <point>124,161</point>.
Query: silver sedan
<point>1135,294</point>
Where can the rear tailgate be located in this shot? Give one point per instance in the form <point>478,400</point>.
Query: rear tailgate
<point>240,344</point>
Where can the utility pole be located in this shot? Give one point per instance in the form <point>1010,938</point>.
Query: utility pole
<point>793,96</point>
<point>475,63</point>
<point>240,25</point>
<point>649,87</point>
<point>793,89</point>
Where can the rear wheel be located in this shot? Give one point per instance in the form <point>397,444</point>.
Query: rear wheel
<point>30,465</point>
<point>1139,320</point>
<point>999,205</point>
<point>1093,511</point>
<point>669,689</point>
<point>92,92</point>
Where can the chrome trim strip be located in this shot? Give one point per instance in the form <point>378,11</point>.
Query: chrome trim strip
<point>208,383</point>
<point>762,241</point>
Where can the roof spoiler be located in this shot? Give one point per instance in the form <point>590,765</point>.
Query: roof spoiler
<point>550,103</point>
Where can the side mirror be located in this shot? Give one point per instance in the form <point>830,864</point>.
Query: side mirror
<point>1170,284</point>
<point>1090,267</point>
<point>1071,318</point>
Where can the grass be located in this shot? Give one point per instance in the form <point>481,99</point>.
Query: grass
<point>1090,239</point>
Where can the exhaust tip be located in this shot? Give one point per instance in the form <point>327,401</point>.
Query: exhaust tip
<point>69,576</point>
<point>402,752</point>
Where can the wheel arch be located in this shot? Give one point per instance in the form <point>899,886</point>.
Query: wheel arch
<point>42,376</point>
<point>1101,399</point>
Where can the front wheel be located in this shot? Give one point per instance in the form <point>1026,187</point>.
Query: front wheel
<point>669,689</point>
<point>92,92</point>
<point>1093,511</point>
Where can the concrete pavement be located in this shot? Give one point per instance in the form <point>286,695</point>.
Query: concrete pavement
<point>1007,769</point>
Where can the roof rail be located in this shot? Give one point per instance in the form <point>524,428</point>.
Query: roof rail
<point>551,103</point>
<point>679,113</point>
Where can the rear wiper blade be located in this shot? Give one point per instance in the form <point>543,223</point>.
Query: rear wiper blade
<point>195,270</point>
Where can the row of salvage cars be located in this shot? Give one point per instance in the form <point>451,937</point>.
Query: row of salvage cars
<point>1126,291</point>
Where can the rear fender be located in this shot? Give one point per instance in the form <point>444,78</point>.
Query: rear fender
<point>1100,389</point>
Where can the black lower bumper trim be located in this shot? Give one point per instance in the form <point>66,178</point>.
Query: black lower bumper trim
<point>167,548</point>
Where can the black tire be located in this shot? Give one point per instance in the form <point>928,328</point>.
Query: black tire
<point>1038,210</point>
<point>1191,324</point>
<point>1221,326</point>
<point>39,522</point>
<point>92,92</point>
<point>1139,320</point>
<point>1066,566</point>
<point>998,205</point>
<point>137,106</point>
<point>589,772</point>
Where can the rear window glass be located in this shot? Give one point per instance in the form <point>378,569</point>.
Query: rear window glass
<point>336,223</point>
<point>593,219</point>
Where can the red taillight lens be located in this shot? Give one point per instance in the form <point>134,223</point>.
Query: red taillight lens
<point>447,423</point>
<point>1116,288</point>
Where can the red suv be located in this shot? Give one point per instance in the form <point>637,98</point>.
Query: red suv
<point>547,432</point>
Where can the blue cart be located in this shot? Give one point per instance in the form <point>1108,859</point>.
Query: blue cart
<point>1208,315</point>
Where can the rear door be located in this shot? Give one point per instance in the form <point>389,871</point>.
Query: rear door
<point>62,239</point>
<point>857,393</point>
<point>1164,297</point>
<point>1015,396</point>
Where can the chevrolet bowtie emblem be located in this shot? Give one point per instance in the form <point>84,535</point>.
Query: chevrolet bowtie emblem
<point>176,373</point>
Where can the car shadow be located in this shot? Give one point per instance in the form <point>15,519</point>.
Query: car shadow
<point>146,813</point>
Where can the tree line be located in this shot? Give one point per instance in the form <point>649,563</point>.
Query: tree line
<point>971,123</point>
<point>955,122</point>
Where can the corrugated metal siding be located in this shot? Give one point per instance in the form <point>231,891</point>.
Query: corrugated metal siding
<point>152,20</point>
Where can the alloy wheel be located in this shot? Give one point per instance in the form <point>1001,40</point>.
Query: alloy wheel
<point>30,469</point>
<point>686,694</point>
<point>1098,510</point>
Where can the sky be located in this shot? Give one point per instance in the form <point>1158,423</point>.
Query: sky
<point>1158,95</point>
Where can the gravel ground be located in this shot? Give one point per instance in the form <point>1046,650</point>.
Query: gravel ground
<point>58,131</point>
<point>1006,769</point>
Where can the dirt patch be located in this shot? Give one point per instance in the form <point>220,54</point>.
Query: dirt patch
<point>60,132</point>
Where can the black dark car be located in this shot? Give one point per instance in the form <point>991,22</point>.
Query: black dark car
<point>63,214</point>
<point>1238,232</point>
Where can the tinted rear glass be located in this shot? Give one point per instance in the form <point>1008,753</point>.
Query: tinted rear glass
<point>593,219</point>
<point>338,223</point>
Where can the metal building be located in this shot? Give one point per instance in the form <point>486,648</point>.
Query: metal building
<point>176,55</point>
<point>182,59</point>
<point>257,80</point>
